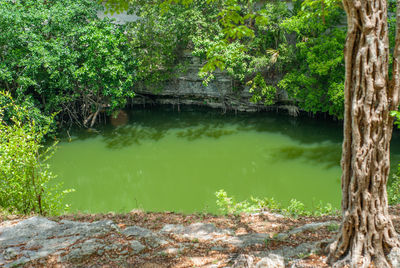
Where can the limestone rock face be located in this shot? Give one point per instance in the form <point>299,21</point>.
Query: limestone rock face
<point>220,93</point>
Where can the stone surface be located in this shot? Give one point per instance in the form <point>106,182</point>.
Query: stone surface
<point>172,251</point>
<point>188,89</point>
<point>136,246</point>
<point>38,237</point>
<point>394,257</point>
<point>299,251</point>
<point>307,227</point>
<point>136,231</point>
<point>245,240</point>
<point>152,239</point>
<point>272,261</point>
<point>312,226</point>
<point>201,231</point>
<point>243,261</point>
<point>83,250</point>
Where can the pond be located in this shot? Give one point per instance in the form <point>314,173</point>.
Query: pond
<point>165,160</point>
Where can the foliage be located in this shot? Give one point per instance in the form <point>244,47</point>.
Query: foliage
<point>25,178</point>
<point>160,38</point>
<point>252,44</point>
<point>228,205</point>
<point>315,79</point>
<point>393,187</point>
<point>227,35</point>
<point>59,56</point>
<point>254,56</point>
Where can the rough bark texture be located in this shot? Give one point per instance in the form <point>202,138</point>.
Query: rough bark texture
<point>367,234</point>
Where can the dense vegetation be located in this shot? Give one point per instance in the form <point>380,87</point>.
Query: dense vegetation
<point>262,47</point>
<point>59,57</point>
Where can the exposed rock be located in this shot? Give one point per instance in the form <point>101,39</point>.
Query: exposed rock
<point>245,240</point>
<point>155,241</point>
<point>272,261</point>
<point>312,226</point>
<point>137,231</point>
<point>171,251</point>
<point>172,228</point>
<point>201,231</point>
<point>301,250</point>
<point>83,250</point>
<point>269,214</point>
<point>23,231</point>
<point>243,261</point>
<point>152,239</point>
<point>217,248</point>
<point>136,246</point>
<point>38,237</point>
<point>188,89</point>
<point>10,253</point>
<point>98,228</point>
<point>306,227</point>
<point>394,257</point>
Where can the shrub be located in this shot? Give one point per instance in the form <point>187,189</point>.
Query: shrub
<point>25,178</point>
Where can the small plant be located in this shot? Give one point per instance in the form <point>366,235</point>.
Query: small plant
<point>228,205</point>
<point>296,208</point>
<point>266,242</point>
<point>333,227</point>
<point>328,209</point>
<point>303,255</point>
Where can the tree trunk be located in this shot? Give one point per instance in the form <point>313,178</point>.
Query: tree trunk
<point>367,234</point>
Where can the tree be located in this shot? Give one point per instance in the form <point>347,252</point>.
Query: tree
<point>61,57</point>
<point>367,233</point>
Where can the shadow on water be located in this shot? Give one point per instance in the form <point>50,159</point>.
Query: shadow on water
<point>327,155</point>
<point>209,131</point>
<point>125,136</point>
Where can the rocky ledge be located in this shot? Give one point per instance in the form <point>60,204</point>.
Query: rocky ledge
<point>39,241</point>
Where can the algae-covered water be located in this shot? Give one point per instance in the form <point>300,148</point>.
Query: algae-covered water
<point>168,160</point>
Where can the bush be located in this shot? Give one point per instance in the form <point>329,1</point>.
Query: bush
<point>25,178</point>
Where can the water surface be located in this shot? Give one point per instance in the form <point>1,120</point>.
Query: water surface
<point>168,160</point>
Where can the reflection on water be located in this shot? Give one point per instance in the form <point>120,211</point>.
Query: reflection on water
<point>165,160</point>
<point>326,154</point>
<point>131,134</point>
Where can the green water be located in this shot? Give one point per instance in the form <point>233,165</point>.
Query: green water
<point>168,160</point>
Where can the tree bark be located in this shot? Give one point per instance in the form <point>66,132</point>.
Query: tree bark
<point>367,234</point>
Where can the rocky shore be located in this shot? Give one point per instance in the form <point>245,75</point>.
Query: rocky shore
<point>140,239</point>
